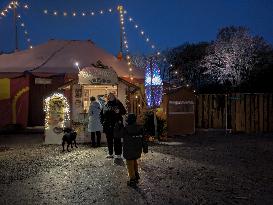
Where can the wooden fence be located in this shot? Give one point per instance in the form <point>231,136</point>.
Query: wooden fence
<point>245,112</point>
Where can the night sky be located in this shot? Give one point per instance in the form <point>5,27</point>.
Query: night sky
<point>168,23</point>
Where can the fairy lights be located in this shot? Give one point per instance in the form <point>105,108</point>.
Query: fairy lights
<point>143,34</point>
<point>57,111</point>
<point>149,42</point>
<point>153,85</point>
<point>75,14</point>
<point>10,6</point>
<point>25,31</point>
<point>122,12</point>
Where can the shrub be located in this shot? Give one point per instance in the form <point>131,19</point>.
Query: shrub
<point>149,124</point>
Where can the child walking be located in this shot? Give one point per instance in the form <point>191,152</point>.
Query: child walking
<point>133,145</point>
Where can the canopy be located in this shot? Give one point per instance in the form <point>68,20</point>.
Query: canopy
<point>59,57</point>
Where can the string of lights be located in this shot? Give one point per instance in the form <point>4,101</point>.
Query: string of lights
<point>125,43</point>
<point>25,31</point>
<point>4,12</point>
<point>53,101</point>
<point>152,45</point>
<point>77,13</point>
<point>144,35</point>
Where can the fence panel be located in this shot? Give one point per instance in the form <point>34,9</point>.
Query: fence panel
<point>246,112</point>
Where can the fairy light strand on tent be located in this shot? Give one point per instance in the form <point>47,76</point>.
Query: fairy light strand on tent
<point>149,42</point>
<point>24,29</point>
<point>6,9</point>
<point>125,44</point>
<point>11,6</point>
<point>144,35</point>
<point>77,13</point>
<point>97,13</point>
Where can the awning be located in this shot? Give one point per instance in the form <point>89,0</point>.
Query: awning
<point>98,74</point>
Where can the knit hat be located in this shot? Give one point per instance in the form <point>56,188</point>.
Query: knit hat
<point>131,118</point>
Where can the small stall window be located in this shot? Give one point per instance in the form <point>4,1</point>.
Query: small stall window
<point>181,107</point>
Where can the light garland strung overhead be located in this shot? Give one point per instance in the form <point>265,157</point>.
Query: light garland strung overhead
<point>24,29</point>
<point>148,40</point>
<point>10,6</point>
<point>144,35</point>
<point>6,9</point>
<point>124,39</point>
<point>77,13</point>
<point>121,11</point>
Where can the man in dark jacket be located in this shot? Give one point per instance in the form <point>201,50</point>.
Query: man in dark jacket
<point>111,117</point>
<point>133,144</point>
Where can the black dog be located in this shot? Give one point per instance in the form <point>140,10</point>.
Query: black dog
<point>69,137</point>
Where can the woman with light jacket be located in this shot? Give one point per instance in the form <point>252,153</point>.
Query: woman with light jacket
<point>94,122</point>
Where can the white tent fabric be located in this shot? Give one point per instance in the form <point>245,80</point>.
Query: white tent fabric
<point>59,56</point>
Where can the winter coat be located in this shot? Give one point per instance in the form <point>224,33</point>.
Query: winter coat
<point>111,115</point>
<point>133,142</point>
<point>94,123</point>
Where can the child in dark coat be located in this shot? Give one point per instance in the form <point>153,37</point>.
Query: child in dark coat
<point>133,145</point>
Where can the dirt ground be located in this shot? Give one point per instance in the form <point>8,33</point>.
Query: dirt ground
<point>207,168</point>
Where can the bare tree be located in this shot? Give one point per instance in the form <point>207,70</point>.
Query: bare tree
<point>232,56</point>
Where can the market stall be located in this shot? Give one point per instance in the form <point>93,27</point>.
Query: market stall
<point>97,80</point>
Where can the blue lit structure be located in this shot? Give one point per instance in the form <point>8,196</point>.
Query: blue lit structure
<point>153,85</point>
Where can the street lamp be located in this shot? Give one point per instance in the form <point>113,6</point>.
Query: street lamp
<point>77,65</point>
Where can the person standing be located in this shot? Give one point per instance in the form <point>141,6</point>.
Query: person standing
<point>111,117</point>
<point>94,123</point>
<point>133,145</point>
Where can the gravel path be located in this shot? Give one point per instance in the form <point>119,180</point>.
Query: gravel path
<point>202,169</point>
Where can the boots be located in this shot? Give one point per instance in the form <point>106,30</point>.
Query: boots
<point>137,177</point>
<point>132,183</point>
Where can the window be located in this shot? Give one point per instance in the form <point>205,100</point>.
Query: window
<point>181,107</point>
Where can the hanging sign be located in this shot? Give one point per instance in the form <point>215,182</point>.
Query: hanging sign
<point>98,74</point>
<point>43,81</point>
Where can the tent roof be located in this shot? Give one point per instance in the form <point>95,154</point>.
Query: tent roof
<point>59,56</point>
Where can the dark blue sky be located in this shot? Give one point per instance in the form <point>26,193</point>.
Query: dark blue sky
<point>168,23</point>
